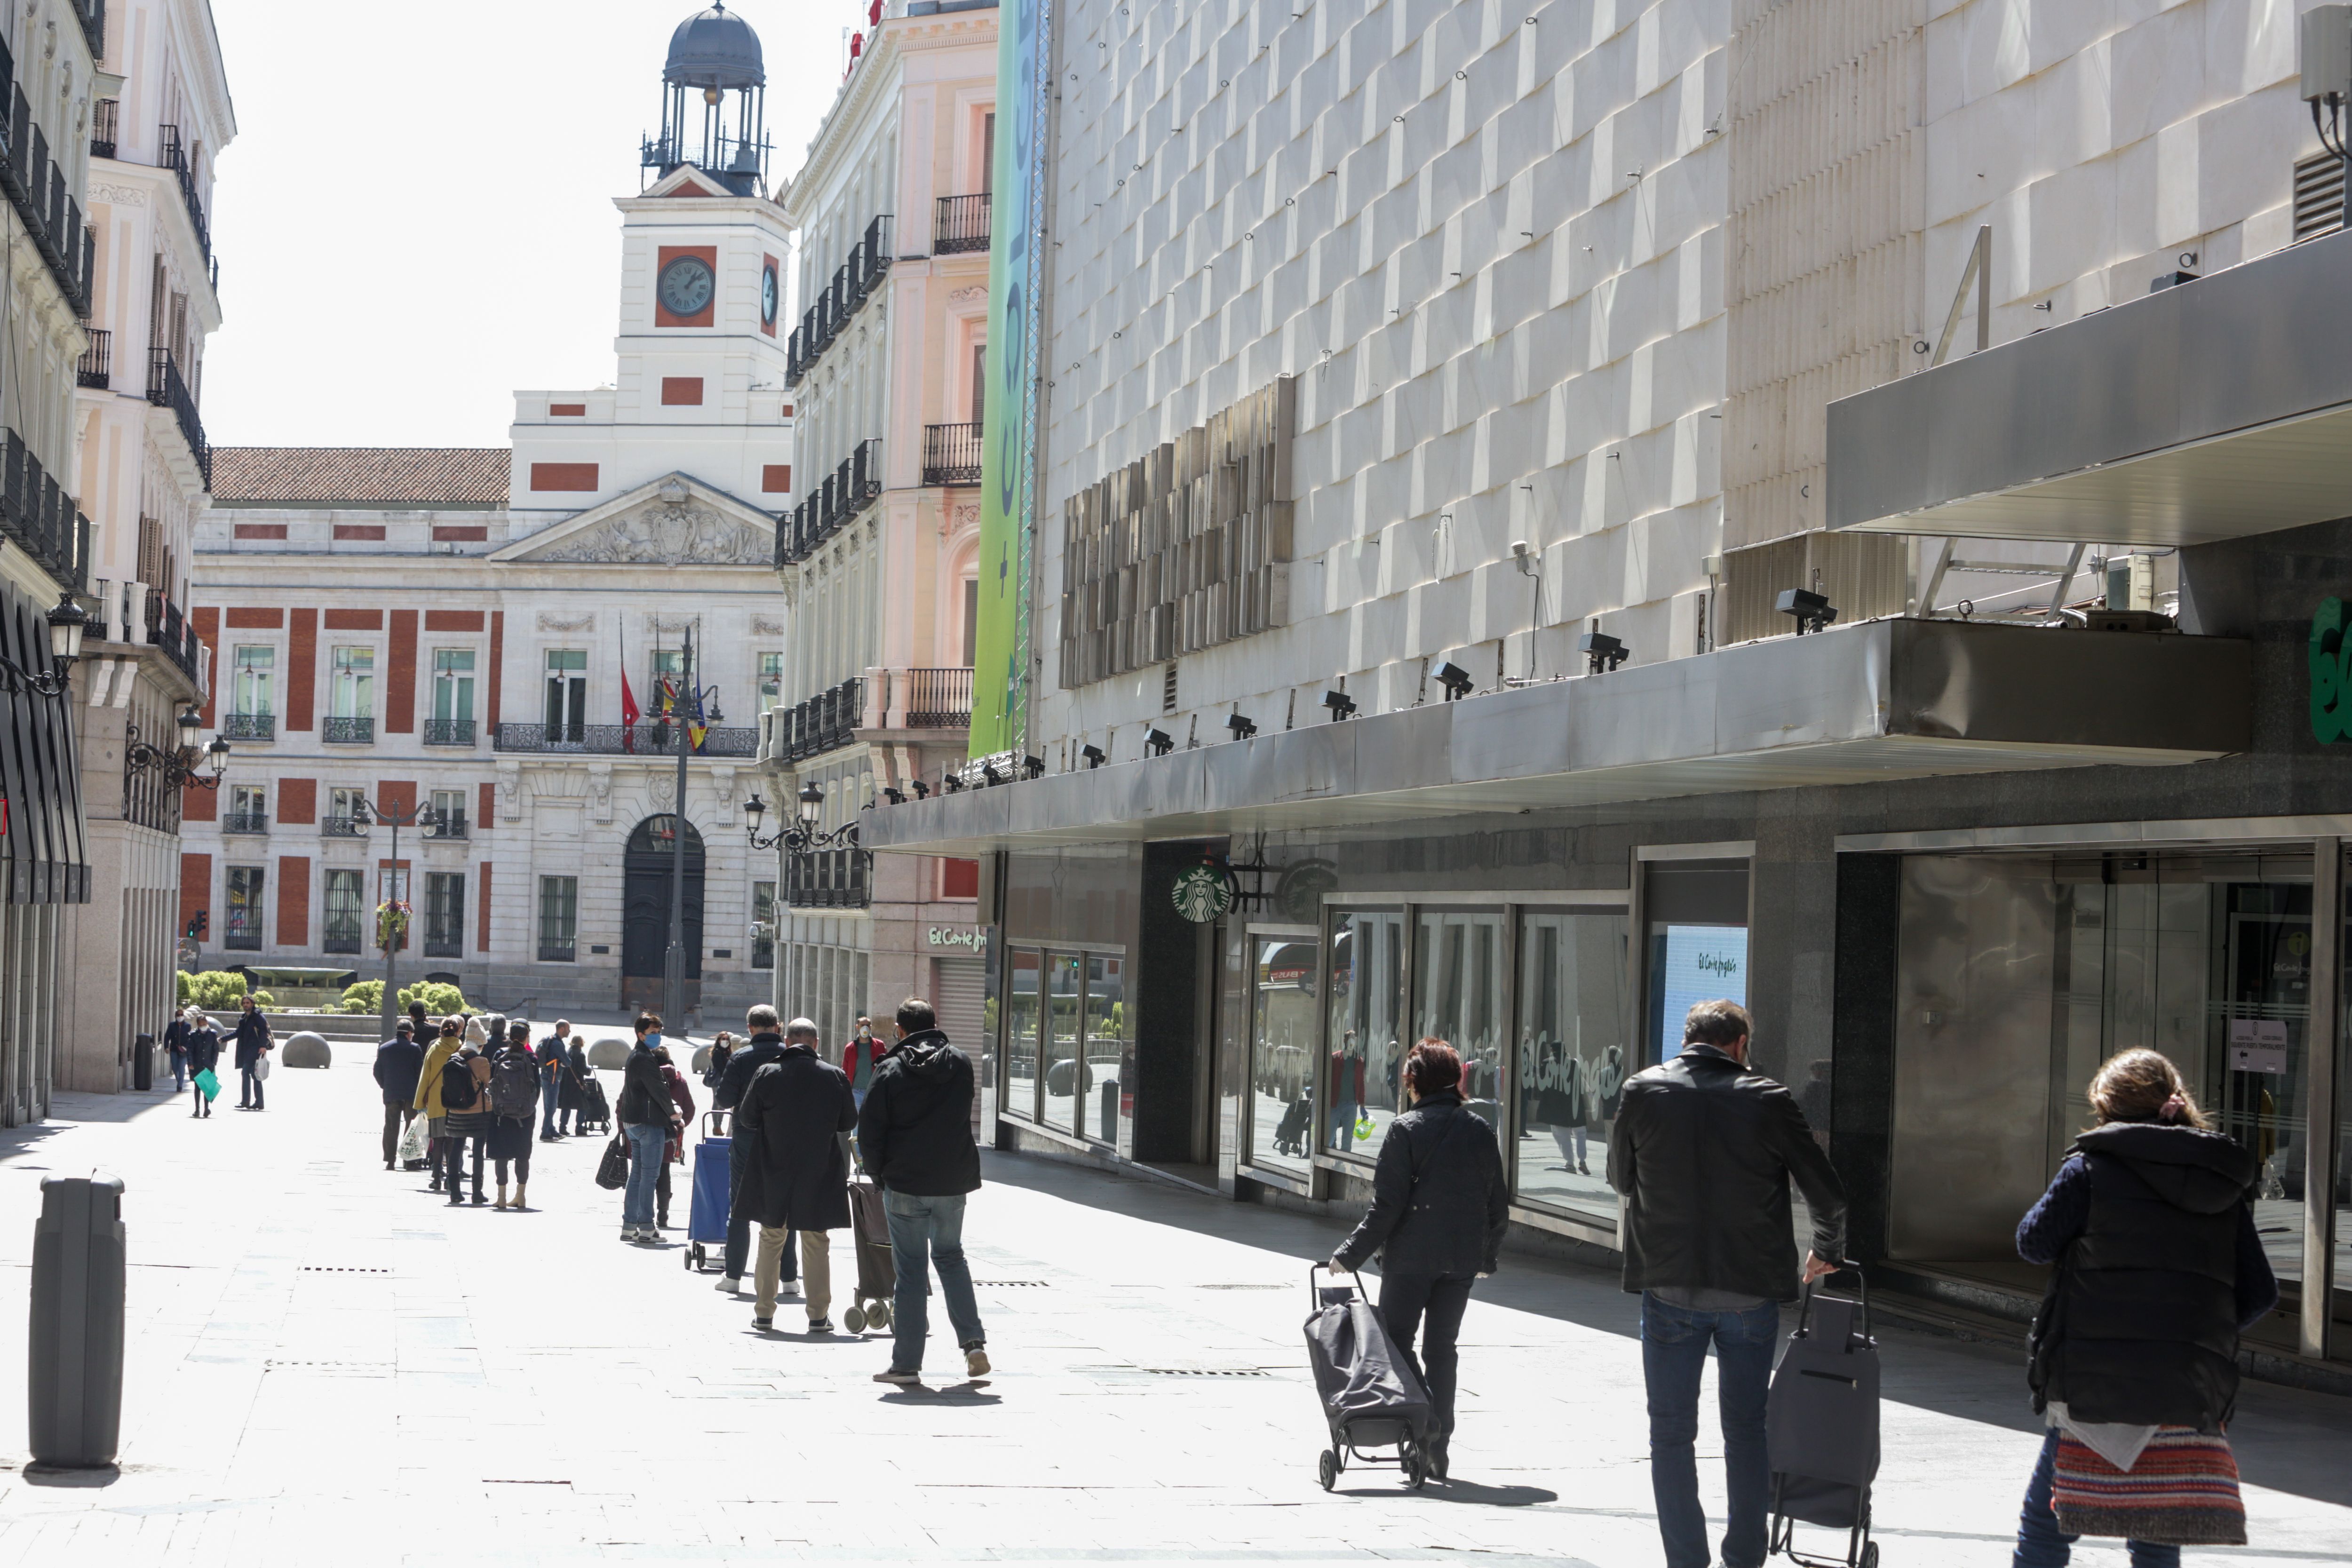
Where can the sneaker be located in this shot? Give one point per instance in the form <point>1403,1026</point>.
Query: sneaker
<point>820,1325</point>
<point>628,1233</point>
<point>728,1285</point>
<point>975,1361</point>
<point>895,1375</point>
<point>790,1290</point>
<point>763,1324</point>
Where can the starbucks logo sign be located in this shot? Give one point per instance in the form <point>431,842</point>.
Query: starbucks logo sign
<point>1202,894</point>
<point>2331,674</point>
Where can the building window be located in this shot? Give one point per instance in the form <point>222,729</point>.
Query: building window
<point>445,914</point>
<point>449,811</point>
<point>249,809</point>
<point>668,665</point>
<point>242,929</point>
<point>764,916</point>
<point>970,623</point>
<point>1363,1029</point>
<point>250,688</point>
<point>345,890</point>
<point>352,691</point>
<point>772,680</point>
<point>567,694</point>
<point>559,918</point>
<point>1282,1052</point>
<point>453,697</point>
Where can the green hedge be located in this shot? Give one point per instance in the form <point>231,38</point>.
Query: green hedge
<point>217,990</point>
<point>439,1000</point>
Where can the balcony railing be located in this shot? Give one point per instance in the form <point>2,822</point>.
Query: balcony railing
<point>961,225</point>
<point>936,699</point>
<point>342,934</point>
<point>451,826</point>
<point>170,154</point>
<point>950,454</point>
<point>847,491</point>
<point>166,388</point>
<point>348,731</point>
<point>645,738</point>
<point>38,188</point>
<point>448,732</point>
<point>106,117</point>
<point>342,828</point>
<point>828,880</point>
<point>96,367</point>
<point>249,727</point>
<point>245,822</point>
<point>853,283</point>
<point>92,16</point>
<point>36,513</point>
<point>170,631</point>
<point>823,722</point>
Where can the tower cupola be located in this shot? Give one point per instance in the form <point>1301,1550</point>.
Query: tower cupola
<point>714,103</point>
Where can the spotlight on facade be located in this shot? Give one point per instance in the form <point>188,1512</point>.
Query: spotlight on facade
<point>922,790</point>
<point>988,771</point>
<point>895,796</point>
<point>1034,766</point>
<point>1601,652</point>
<point>952,782</point>
<point>1455,680</point>
<point>1342,705</point>
<point>1813,610</point>
<point>1094,755</point>
<point>1243,728</point>
<point>1158,742</point>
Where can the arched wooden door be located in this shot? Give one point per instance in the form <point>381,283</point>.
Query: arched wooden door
<point>645,913</point>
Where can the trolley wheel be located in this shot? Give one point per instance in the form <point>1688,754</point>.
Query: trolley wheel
<point>1327,1470</point>
<point>854,1320</point>
<point>1416,1468</point>
<point>878,1314</point>
<point>694,1258</point>
<point>1870,1555</point>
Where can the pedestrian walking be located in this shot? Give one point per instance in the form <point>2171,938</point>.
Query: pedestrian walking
<point>416,1017</point>
<point>253,1042</point>
<point>765,1046</point>
<point>1702,1157</point>
<point>514,1096</point>
<point>175,1045</point>
<point>398,1062</point>
<point>552,1060</point>
<point>645,1115</point>
<point>914,1137</point>
<point>204,1057</point>
<point>797,1172</point>
<point>571,1102</point>
<point>428,1100</point>
<point>2133,1356</point>
<point>721,1048</point>
<point>681,1100</point>
<point>861,1056</point>
<point>466,1118</point>
<point>1439,1205</point>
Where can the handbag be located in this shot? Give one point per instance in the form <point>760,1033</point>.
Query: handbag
<point>210,1084</point>
<point>613,1170</point>
<point>2182,1490</point>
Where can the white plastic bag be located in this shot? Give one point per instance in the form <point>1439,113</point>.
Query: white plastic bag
<point>413,1142</point>
<point>261,1067</point>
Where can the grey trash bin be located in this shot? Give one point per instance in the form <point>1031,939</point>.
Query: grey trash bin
<point>74,1391</point>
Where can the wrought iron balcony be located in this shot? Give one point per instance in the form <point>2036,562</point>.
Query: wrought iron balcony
<point>249,727</point>
<point>170,631</point>
<point>961,225</point>
<point>348,731</point>
<point>38,188</point>
<point>950,454</point>
<point>828,880</point>
<point>823,723</point>
<point>649,738</point>
<point>451,826</point>
<point>166,388</point>
<point>448,732</point>
<point>853,283</point>
<point>847,491</point>
<point>936,699</point>
<point>245,822</point>
<point>106,117</point>
<point>342,935</point>
<point>37,514</point>
<point>92,14</point>
<point>170,154</point>
<point>342,828</point>
<point>95,369</point>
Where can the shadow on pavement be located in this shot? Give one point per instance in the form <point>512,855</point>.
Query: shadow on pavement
<point>1492,1497</point>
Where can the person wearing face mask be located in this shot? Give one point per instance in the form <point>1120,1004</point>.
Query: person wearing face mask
<point>645,1115</point>
<point>860,1058</point>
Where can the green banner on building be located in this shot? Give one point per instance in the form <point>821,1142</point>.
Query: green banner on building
<point>999,693</point>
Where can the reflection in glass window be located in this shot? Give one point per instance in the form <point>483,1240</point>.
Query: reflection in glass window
<point>250,688</point>
<point>1282,1052</point>
<point>1574,1027</point>
<point>1364,1023</point>
<point>1062,1087</point>
<point>1021,1035</point>
<point>1106,1014</point>
<point>1461,999</point>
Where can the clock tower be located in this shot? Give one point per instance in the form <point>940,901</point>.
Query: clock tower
<point>700,384</point>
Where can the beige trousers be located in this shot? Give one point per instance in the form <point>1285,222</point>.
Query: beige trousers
<point>817,1271</point>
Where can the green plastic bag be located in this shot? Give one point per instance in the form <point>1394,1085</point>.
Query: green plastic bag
<point>209,1084</point>
<point>1364,1130</point>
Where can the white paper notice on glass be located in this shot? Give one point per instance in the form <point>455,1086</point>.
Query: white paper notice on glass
<point>1703,964</point>
<point>2258,1045</point>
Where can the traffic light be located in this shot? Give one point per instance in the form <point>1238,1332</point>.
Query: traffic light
<point>198,923</point>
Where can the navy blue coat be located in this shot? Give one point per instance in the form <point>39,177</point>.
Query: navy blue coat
<point>398,1061</point>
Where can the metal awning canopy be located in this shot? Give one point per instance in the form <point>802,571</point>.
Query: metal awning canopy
<point>2206,411</point>
<point>1880,699</point>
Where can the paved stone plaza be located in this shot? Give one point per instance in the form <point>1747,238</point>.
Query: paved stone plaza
<point>328,1366</point>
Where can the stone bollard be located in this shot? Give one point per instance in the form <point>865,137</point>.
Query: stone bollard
<point>74,1392</point>
<point>609,1052</point>
<point>306,1050</point>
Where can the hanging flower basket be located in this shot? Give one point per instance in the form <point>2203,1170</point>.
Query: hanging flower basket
<point>392,924</point>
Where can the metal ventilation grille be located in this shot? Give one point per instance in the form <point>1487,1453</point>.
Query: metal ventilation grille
<point>2318,195</point>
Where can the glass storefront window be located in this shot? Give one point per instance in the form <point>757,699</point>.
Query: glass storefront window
<point>1363,1029</point>
<point>1460,1000</point>
<point>1574,1027</point>
<point>1021,1034</point>
<point>1105,1032</point>
<point>1062,1086</point>
<point>1282,1051</point>
<point>1696,912</point>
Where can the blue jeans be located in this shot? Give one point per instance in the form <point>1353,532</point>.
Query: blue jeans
<point>546,1107</point>
<point>647,1142</point>
<point>2041,1544</point>
<point>1674,1354</point>
<point>934,1227</point>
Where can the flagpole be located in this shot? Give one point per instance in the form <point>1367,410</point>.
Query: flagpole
<point>674,961</point>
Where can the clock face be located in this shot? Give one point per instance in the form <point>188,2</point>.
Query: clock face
<point>768,297</point>
<point>686,286</point>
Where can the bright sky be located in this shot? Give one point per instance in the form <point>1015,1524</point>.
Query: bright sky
<point>416,217</point>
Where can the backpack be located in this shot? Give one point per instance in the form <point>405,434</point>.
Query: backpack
<point>514,1083</point>
<point>458,1084</point>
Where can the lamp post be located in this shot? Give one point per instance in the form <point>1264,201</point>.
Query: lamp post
<point>68,621</point>
<point>674,956</point>
<point>389,924</point>
<point>178,765</point>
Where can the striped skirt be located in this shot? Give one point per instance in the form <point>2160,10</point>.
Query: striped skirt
<point>2183,1491</point>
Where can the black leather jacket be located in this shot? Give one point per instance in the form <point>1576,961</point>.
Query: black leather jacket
<point>1701,1155</point>
<point>1440,1201</point>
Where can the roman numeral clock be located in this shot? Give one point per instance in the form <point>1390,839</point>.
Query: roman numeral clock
<point>686,286</point>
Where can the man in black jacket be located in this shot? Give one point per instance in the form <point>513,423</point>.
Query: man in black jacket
<point>767,1044</point>
<point>914,1137</point>
<point>253,1041</point>
<point>796,1177</point>
<point>1701,1155</point>
<point>397,1063</point>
